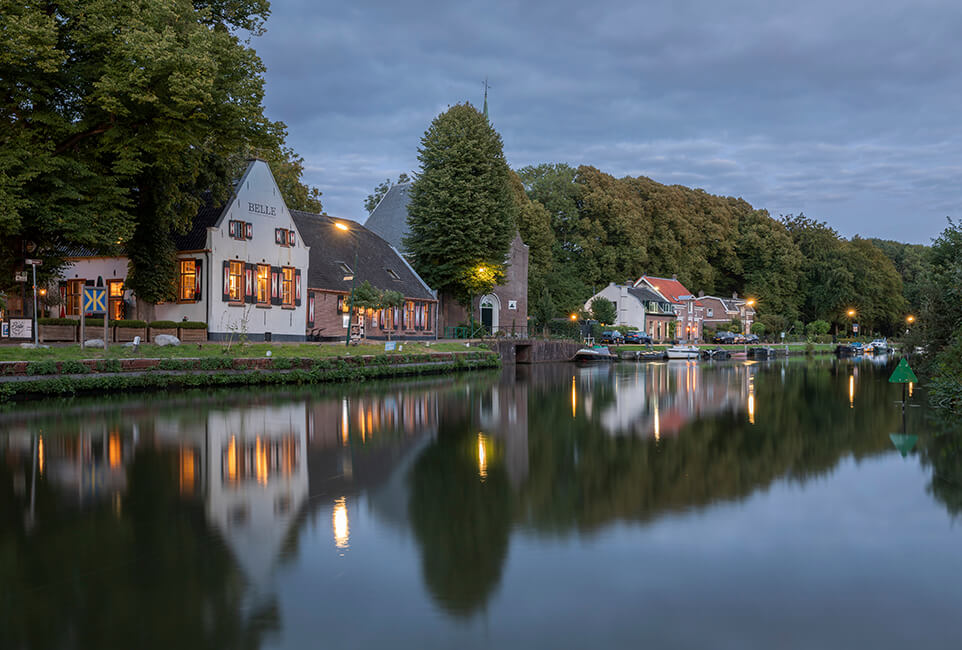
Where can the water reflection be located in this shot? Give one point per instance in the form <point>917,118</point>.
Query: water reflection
<point>200,503</point>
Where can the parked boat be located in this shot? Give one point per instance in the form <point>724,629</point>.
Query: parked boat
<point>878,346</point>
<point>761,353</point>
<point>683,352</point>
<point>716,354</point>
<point>594,354</point>
<point>849,350</point>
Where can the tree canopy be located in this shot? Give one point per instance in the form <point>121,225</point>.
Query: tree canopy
<point>375,197</point>
<point>462,214</point>
<point>124,116</point>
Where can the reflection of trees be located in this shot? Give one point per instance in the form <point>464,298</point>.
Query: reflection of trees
<point>581,478</point>
<point>142,573</point>
<point>461,522</point>
<point>941,448</point>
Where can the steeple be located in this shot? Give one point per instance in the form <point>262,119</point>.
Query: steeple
<point>486,86</point>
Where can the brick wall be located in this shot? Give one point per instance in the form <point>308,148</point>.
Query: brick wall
<point>329,322</point>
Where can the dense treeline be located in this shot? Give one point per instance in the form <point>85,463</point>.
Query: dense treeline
<point>587,228</point>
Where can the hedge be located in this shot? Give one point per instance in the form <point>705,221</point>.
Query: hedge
<point>191,325</point>
<point>163,324</point>
<point>128,323</point>
<point>59,321</point>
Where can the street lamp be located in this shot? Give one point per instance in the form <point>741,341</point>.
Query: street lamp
<point>574,316</point>
<point>851,316</point>
<point>340,225</point>
<point>910,319</point>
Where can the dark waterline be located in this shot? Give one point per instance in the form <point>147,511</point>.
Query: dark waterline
<point>680,504</point>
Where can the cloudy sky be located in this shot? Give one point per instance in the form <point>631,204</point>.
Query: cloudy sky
<point>846,110</point>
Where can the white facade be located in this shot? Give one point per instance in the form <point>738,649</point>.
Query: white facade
<point>246,277</point>
<point>630,310</point>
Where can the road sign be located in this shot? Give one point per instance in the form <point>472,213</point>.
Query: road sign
<point>854,328</point>
<point>34,262</point>
<point>95,300</point>
<point>903,374</point>
<point>20,276</point>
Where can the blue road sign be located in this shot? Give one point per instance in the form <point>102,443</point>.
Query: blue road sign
<point>95,300</point>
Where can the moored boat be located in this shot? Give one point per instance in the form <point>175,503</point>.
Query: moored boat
<point>594,354</point>
<point>683,352</point>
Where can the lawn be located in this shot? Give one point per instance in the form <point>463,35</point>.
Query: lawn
<point>71,352</point>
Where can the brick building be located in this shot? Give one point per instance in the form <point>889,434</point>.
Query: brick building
<point>340,258</point>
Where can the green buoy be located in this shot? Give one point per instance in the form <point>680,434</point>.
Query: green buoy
<point>903,374</point>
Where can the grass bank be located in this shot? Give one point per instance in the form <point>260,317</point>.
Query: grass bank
<point>111,376</point>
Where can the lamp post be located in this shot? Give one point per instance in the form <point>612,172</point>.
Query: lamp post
<point>350,303</point>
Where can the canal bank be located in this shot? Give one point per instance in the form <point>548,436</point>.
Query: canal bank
<point>23,379</point>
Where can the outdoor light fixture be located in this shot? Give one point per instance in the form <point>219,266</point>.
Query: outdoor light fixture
<point>910,319</point>
<point>340,226</point>
<point>574,316</point>
<point>851,312</point>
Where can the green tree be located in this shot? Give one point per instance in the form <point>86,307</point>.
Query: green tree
<point>375,197</point>
<point>759,329</point>
<point>125,112</point>
<point>818,328</point>
<point>543,310</point>
<point>462,215</point>
<point>603,310</point>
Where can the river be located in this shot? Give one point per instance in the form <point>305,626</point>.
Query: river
<point>670,505</point>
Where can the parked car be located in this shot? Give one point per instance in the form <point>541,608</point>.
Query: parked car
<point>724,337</point>
<point>751,338</point>
<point>612,336</point>
<point>638,338</point>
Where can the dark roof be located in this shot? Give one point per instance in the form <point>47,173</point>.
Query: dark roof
<point>376,258</point>
<point>195,239</point>
<point>644,293</point>
<point>390,218</point>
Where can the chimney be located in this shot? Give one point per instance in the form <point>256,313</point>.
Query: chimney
<point>674,277</point>
<point>701,294</point>
<point>734,295</point>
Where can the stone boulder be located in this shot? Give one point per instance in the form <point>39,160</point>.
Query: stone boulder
<point>166,339</point>
<point>94,343</point>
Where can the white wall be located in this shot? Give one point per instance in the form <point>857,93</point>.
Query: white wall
<point>631,311</point>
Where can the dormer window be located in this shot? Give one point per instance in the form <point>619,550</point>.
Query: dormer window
<point>346,270</point>
<point>394,276</point>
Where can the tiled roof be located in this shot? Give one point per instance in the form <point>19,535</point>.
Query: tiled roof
<point>671,289</point>
<point>377,261</point>
<point>195,239</point>
<point>644,293</point>
<point>390,218</point>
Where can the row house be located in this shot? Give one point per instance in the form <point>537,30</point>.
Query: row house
<point>345,254</point>
<point>689,311</point>
<point>721,311</point>
<point>641,308</point>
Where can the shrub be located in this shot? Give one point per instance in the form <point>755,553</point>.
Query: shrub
<point>73,368</point>
<point>93,322</point>
<point>42,368</point>
<point>758,329</point>
<point>58,321</point>
<point>129,323</point>
<point>163,324</point>
<point>566,328</point>
<point>192,325</point>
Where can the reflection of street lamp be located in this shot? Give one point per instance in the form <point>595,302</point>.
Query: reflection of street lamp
<point>340,225</point>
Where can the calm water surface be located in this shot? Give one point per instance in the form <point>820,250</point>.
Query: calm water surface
<point>671,505</point>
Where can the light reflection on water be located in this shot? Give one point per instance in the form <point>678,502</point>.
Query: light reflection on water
<point>557,491</point>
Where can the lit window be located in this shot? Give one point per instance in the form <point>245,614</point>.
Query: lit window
<point>287,287</point>
<point>74,289</point>
<point>263,284</point>
<point>235,285</point>
<point>188,280</point>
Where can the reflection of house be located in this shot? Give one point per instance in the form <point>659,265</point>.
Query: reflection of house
<point>660,399</point>
<point>503,416</point>
<point>505,309</point>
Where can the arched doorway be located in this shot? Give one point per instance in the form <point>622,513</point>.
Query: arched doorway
<point>490,309</point>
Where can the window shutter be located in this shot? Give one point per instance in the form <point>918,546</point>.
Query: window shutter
<point>249,230</point>
<point>380,318</point>
<point>297,287</point>
<point>278,236</point>
<point>396,319</point>
<point>63,299</point>
<point>310,309</point>
<point>226,295</point>
<point>231,229</point>
<point>340,304</point>
<point>291,238</point>
<point>275,285</point>
<point>249,295</point>
<point>198,273</point>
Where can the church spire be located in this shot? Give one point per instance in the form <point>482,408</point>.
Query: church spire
<point>486,86</point>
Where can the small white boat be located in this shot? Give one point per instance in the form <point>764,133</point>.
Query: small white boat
<point>594,353</point>
<point>683,352</point>
<point>878,346</point>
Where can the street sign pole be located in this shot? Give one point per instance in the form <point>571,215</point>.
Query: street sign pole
<point>83,331</point>
<point>36,318</point>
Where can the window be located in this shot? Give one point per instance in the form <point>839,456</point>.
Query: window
<point>409,315</point>
<point>394,276</point>
<point>74,290</point>
<point>235,284</point>
<point>115,296</point>
<point>284,237</point>
<point>187,286</point>
<point>711,312</point>
<point>287,287</point>
<point>240,230</point>
<point>346,270</point>
<point>263,284</point>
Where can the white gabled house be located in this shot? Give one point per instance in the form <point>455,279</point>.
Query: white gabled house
<point>241,269</point>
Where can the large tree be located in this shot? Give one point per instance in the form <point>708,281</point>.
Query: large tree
<point>462,214</point>
<point>121,116</point>
<point>375,197</point>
